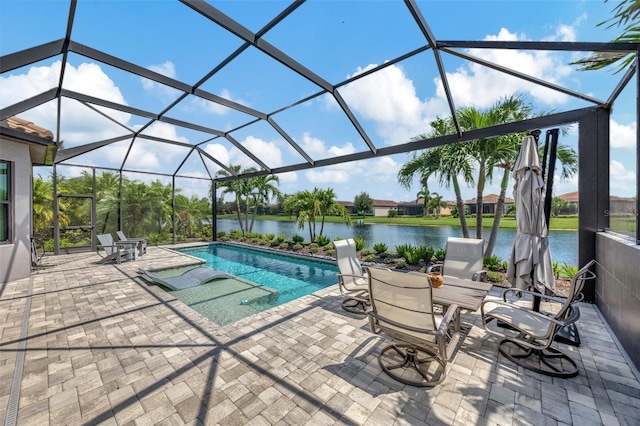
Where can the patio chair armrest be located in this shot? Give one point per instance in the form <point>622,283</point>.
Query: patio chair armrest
<point>480,275</point>
<point>573,317</point>
<point>534,294</point>
<point>439,332</point>
<point>436,267</point>
<point>448,316</point>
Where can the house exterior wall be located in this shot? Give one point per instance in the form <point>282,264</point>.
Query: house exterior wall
<point>15,256</point>
<point>381,211</point>
<point>617,292</point>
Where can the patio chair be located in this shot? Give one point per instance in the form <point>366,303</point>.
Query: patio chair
<point>351,280</point>
<point>402,308</point>
<point>463,260</point>
<point>142,242</point>
<point>528,334</point>
<point>116,250</point>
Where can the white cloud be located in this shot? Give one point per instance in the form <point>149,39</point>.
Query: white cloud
<point>475,85</point>
<point>167,69</point>
<point>622,136</point>
<point>268,152</point>
<point>389,98</point>
<point>327,176</point>
<point>79,124</point>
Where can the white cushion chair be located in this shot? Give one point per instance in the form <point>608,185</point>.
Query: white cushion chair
<point>527,334</point>
<point>464,259</point>
<point>402,308</point>
<point>352,281</point>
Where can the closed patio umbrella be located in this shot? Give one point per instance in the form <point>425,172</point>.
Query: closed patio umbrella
<point>530,262</point>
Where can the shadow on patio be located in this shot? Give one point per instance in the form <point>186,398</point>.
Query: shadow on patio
<point>86,344</point>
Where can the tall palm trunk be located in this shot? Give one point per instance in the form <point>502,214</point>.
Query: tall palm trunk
<point>498,216</point>
<point>460,205</point>
<point>479,204</point>
<point>239,214</point>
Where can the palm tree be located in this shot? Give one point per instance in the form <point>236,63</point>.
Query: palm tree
<point>435,203</point>
<point>447,162</point>
<point>309,205</point>
<point>425,194</point>
<point>42,206</point>
<point>626,13</point>
<point>241,189</point>
<point>263,189</point>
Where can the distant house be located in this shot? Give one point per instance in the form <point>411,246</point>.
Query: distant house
<point>622,204</point>
<point>415,208</point>
<point>489,203</point>
<point>573,199</point>
<point>381,207</point>
<point>347,205</point>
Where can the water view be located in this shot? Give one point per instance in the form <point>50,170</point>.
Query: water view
<point>564,244</point>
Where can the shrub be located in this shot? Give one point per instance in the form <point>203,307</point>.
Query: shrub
<point>505,266</point>
<point>411,254</point>
<point>401,265</point>
<point>428,254</point>
<point>556,269</point>
<point>275,243</point>
<point>254,235</point>
<point>284,246</point>
<point>297,247</point>
<point>440,254</point>
<point>313,245</point>
<point>370,258</point>
<point>568,271</point>
<point>225,238</point>
<point>328,247</point>
<point>221,234</point>
<point>263,242</point>
<point>298,239</point>
<point>359,243</point>
<point>281,238</point>
<point>367,252</point>
<point>235,234</point>
<point>380,247</point>
<point>491,263</point>
<point>313,250</point>
<point>330,252</point>
<point>494,277</point>
<point>322,240</point>
<point>269,236</point>
<point>389,260</point>
<point>392,213</point>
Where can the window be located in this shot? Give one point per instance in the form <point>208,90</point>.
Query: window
<point>5,201</point>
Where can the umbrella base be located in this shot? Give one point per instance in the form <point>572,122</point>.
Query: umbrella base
<point>568,335</point>
<point>549,361</point>
<point>411,365</point>
<point>354,306</point>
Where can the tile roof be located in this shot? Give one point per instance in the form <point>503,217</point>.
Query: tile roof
<point>491,199</point>
<point>25,126</point>
<point>571,197</point>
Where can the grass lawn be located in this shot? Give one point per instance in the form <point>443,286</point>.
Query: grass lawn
<point>557,223</point>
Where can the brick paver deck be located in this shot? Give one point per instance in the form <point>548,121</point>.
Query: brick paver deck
<point>103,346</point>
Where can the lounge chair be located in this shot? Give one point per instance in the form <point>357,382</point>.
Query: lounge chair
<point>528,334</point>
<point>352,281</point>
<point>191,278</point>
<point>116,250</point>
<point>464,259</point>
<point>402,308</point>
<point>142,242</point>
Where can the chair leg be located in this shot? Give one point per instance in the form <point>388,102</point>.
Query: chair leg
<point>415,366</point>
<point>550,361</point>
<point>355,306</point>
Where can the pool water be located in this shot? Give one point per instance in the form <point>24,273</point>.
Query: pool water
<point>265,280</point>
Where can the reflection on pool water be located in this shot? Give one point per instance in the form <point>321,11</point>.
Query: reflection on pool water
<point>265,280</point>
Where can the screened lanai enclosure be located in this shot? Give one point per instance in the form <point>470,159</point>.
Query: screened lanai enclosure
<point>154,106</point>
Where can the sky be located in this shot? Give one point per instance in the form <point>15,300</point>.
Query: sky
<point>336,40</point>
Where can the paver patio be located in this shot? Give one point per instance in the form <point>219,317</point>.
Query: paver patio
<point>97,344</point>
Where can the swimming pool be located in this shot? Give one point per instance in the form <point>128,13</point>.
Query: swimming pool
<point>266,280</point>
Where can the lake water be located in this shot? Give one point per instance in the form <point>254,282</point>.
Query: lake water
<point>563,244</point>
